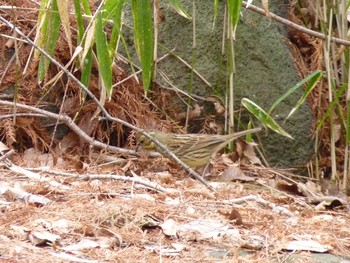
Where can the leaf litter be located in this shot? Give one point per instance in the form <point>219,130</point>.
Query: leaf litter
<point>106,219</point>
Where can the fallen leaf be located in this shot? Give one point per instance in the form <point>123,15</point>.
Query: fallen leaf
<point>288,187</point>
<point>236,217</point>
<point>234,172</point>
<point>306,245</point>
<point>245,152</point>
<point>3,148</point>
<point>42,237</point>
<point>169,227</point>
<point>210,229</point>
<point>83,244</point>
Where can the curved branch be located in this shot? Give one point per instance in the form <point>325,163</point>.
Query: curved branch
<point>295,26</point>
<point>70,123</point>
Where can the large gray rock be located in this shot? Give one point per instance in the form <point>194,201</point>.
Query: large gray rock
<point>264,67</point>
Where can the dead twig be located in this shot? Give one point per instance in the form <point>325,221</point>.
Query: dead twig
<point>136,179</point>
<point>295,26</point>
<point>275,208</point>
<point>70,123</point>
<point>33,176</point>
<point>18,193</point>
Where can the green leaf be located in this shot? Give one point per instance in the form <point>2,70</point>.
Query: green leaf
<point>113,11</point>
<point>234,11</point>
<point>86,69</point>
<point>63,9</point>
<point>179,9</point>
<point>142,16</point>
<point>347,128</point>
<point>49,35</point>
<point>86,7</point>
<point>264,117</point>
<point>80,20</point>
<point>313,78</point>
<point>103,56</point>
<point>334,103</point>
<point>86,64</point>
<point>216,8</point>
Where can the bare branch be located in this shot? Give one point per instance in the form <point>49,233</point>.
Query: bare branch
<point>295,26</point>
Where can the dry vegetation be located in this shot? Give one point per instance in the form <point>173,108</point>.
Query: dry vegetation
<point>94,206</point>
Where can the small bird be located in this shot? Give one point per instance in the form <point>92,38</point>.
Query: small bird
<point>193,149</point>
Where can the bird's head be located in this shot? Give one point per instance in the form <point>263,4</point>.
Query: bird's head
<point>144,142</point>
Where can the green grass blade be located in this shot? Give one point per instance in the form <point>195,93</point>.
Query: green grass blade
<point>86,69</point>
<point>114,10</point>
<point>142,16</point>
<point>87,63</point>
<point>86,6</point>
<point>103,56</point>
<point>331,106</point>
<point>234,11</point>
<point>42,26</point>
<point>311,85</point>
<point>264,117</point>
<point>313,78</point>
<point>49,37</point>
<point>63,9</point>
<point>179,9</point>
<point>216,8</point>
<point>348,124</point>
<point>80,20</point>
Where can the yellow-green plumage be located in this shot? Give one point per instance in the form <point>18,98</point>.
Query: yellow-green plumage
<point>193,149</point>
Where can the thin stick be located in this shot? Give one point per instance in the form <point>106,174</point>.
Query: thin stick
<point>135,179</point>
<point>139,70</point>
<point>295,26</point>
<point>70,123</point>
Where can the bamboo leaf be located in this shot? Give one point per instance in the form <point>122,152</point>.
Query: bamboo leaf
<point>85,62</point>
<point>313,81</point>
<point>89,39</point>
<point>142,16</point>
<point>113,11</point>
<point>333,104</point>
<point>103,56</point>
<point>63,10</point>
<point>216,8</point>
<point>313,77</point>
<point>86,6</point>
<point>80,20</point>
<point>264,117</point>
<point>234,11</point>
<point>179,9</point>
<point>42,27</point>
<point>49,39</point>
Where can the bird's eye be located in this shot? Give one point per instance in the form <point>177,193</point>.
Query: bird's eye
<point>141,140</point>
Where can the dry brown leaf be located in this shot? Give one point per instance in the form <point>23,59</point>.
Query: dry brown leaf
<point>234,172</point>
<point>169,227</point>
<point>245,152</point>
<point>219,108</point>
<point>193,113</point>
<point>288,187</point>
<point>42,238</point>
<point>63,10</point>
<point>3,148</point>
<point>236,217</point>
